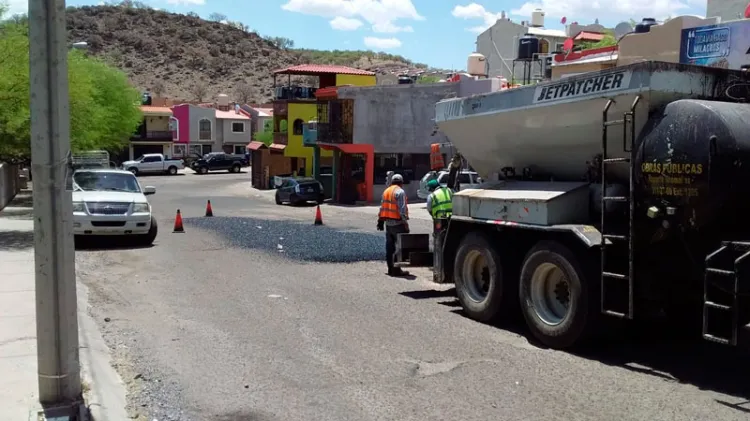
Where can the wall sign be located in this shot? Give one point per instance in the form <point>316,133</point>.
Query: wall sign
<point>581,87</point>
<point>725,45</point>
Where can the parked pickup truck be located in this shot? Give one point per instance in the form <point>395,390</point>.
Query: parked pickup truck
<point>218,161</point>
<point>153,163</point>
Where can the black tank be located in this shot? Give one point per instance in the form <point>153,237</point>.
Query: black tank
<point>694,156</point>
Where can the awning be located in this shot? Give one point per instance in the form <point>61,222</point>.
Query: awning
<point>254,146</point>
<point>350,148</point>
<point>277,147</point>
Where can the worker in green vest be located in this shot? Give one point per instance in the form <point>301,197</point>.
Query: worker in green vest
<point>440,207</point>
<point>439,202</point>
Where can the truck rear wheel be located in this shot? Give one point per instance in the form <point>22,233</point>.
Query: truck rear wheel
<point>555,295</point>
<point>479,278</point>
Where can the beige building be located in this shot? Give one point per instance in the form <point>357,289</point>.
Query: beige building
<point>661,43</point>
<point>726,9</point>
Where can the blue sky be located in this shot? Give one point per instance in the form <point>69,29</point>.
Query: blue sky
<point>440,33</point>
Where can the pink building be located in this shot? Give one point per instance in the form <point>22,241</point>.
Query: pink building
<point>201,129</point>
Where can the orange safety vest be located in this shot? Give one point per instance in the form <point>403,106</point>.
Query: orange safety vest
<point>436,158</point>
<point>389,206</point>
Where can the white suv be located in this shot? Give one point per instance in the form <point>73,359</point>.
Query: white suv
<point>466,180</point>
<point>111,202</point>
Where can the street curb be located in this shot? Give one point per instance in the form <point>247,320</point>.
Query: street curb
<point>106,398</point>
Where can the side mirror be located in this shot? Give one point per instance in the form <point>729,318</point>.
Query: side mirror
<point>148,190</point>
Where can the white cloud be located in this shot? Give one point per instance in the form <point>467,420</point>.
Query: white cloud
<point>390,28</point>
<point>382,43</point>
<point>474,11</point>
<point>585,11</point>
<point>381,14</point>
<point>16,7</point>
<point>345,24</point>
<point>187,2</point>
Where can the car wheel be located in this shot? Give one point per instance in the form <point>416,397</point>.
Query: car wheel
<point>278,199</point>
<point>134,170</point>
<point>203,170</point>
<point>236,168</point>
<point>148,239</point>
<point>172,170</point>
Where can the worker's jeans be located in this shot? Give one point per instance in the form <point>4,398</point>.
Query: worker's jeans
<point>391,234</point>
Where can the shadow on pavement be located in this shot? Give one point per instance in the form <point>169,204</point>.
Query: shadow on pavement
<point>23,199</point>
<point>16,240</point>
<point>429,293</point>
<point>108,243</point>
<point>294,240</point>
<point>18,213</point>
<point>158,174</point>
<point>657,350</point>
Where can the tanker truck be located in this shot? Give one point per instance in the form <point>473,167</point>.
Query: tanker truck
<point>621,193</point>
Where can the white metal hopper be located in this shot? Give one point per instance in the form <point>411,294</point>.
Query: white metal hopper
<point>556,127</point>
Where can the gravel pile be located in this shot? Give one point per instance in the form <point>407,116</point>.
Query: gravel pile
<point>298,241</point>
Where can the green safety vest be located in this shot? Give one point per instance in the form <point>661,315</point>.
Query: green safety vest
<point>442,203</point>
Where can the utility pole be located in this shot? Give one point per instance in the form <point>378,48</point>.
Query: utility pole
<point>54,253</point>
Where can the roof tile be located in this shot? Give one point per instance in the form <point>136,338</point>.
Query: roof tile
<point>303,69</point>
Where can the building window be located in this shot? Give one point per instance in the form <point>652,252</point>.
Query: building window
<point>196,151</point>
<point>543,46</point>
<point>204,129</point>
<point>238,127</point>
<point>297,127</point>
<point>559,47</point>
<point>179,151</point>
<point>174,127</point>
<point>240,149</point>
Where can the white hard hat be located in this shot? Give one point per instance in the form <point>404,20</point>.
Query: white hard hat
<point>397,177</point>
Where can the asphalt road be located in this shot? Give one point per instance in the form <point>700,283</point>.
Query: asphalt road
<point>256,314</point>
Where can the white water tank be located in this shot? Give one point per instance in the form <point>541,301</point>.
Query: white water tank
<point>222,100</point>
<point>476,65</point>
<point>537,18</point>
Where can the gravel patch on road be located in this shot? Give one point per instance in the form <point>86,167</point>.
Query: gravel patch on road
<point>296,240</point>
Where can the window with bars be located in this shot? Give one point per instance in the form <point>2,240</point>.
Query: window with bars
<point>204,130</point>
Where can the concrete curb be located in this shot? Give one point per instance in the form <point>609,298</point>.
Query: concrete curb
<point>107,395</point>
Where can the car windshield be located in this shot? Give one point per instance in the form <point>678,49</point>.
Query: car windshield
<point>106,181</point>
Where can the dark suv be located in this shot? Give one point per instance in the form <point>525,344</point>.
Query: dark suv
<point>219,161</point>
<point>299,190</point>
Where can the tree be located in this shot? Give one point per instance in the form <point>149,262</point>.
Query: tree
<point>200,90</point>
<point>217,17</point>
<point>243,93</point>
<point>265,136</point>
<point>280,42</point>
<point>104,107</point>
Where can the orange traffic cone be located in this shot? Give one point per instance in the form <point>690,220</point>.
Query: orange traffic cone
<point>209,211</point>
<point>318,217</point>
<point>178,223</point>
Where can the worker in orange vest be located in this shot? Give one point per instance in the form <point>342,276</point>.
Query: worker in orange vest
<point>394,219</point>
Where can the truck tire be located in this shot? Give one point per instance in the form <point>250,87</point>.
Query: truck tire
<point>236,168</point>
<point>480,279</point>
<point>172,170</point>
<point>134,170</point>
<point>555,295</point>
<point>202,170</point>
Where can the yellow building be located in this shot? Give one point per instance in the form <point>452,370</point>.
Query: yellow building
<point>153,135</point>
<point>295,104</point>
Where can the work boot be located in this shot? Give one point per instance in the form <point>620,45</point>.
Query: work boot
<point>397,272</point>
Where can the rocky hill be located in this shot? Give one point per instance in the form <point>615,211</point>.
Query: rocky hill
<point>188,58</point>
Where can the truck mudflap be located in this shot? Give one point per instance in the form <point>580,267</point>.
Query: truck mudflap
<point>588,234</point>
